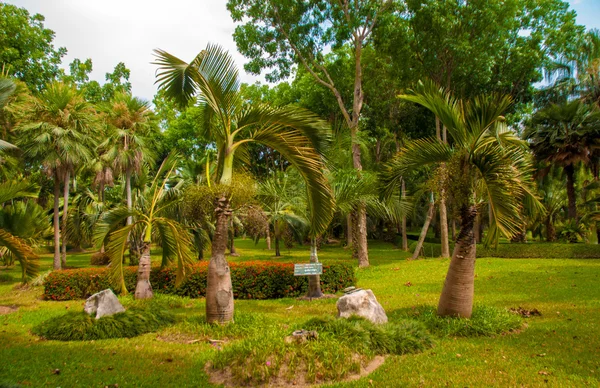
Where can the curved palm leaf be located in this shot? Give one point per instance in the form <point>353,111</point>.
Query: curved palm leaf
<point>27,258</point>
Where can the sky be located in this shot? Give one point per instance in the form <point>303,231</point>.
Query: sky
<point>111,31</point>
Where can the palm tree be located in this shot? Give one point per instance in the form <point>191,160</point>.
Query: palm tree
<point>297,134</point>
<point>13,244</point>
<point>56,129</point>
<point>482,153</point>
<point>562,135</point>
<point>152,218</point>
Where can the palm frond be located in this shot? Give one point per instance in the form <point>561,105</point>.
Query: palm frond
<point>17,189</point>
<point>176,243</point>
<point>115,249</point>
<point>27,258</point>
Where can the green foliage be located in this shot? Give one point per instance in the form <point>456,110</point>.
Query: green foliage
<point>80,326</point>
<point>251,280</point>
<point>485,321</point>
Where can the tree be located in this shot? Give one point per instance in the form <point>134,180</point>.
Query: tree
<point>280,33</point>
<point>56,130</point>
<point>26,47</point>
<point>484,153</point>
<point>562,134</point>
<point>297,134</point>
<point>151,218</point>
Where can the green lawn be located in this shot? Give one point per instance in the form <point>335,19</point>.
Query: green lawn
<point>561,348</point>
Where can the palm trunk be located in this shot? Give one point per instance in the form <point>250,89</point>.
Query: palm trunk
<point>128,193</point>
<point>57,264</point>
<point>232,251</point>
<point>268,237</point>
<point>361,237</point>
<point>277,251</point>
<point>570,171</point>
<point>143,288</point>
<point>550,230</point>
<point>219,291</point>
<point>430,213</point>
<point>453,229</point>
<point>63,258</point>
<point>349,236</point>
<point>444,226</point>
<point>477,230</point>
<point>457,294</point>
<point>404,235</point>
<point>314,281</point>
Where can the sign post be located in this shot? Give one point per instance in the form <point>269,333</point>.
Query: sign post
<point>308,269</point>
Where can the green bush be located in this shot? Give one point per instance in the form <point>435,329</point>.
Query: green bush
<point>485,321</point>
<point>524,250</point>
<point>79,326</point>
<point>251,280</point>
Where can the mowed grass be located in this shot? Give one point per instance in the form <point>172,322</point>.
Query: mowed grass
<point>561,348</point>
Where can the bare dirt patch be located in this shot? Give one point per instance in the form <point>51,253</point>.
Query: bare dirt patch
<point>282,379</point>
<point>7,309</point>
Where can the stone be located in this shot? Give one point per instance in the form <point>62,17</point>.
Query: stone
<point>362,303</point>
<point>103,303</point>
<point>301,336</point>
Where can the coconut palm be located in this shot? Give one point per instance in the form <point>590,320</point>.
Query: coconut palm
<point>11,243</point>
<point>151,216</point>
<point>482,155</point>
<point>232,123</point>
<point>563,134</point>
<point>56,128</point>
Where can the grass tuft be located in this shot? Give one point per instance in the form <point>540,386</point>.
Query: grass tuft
<point>485,321</point>
<point>79,326</point>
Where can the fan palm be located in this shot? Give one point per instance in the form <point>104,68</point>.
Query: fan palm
<point>56,129</point>
<point>563,135</point>
<point>151,218</point>
<point>482,155</point>
<point>13,244</point>
<point>232,123</point>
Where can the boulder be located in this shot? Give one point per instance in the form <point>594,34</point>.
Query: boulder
<point>362,303</point>
<point>102,304</point>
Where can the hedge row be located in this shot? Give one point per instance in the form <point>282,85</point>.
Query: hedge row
<point>251,280</point>
<point>524,251</point>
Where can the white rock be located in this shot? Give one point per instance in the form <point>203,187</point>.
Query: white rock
<point>362,303</point>
<point>103,303</point>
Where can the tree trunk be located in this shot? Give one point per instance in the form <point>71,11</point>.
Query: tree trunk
<point>453,229</point>
<point>349,236</point>
<point>404,235</point>
<point>231,231</point>
<point>314,281</point>
<point>219,291</point>
<point>128,192</point>
<point>550,230</point>
<point>63,257</point>
<point>268,237</point>
<point>143,288</point>
<point>57,264</point>
<point>430,213</point>
<point>277,251</point>
<point>570,171</point>
<point>444,226</point>
<point>361,234</point>
<point>457,294</point>
<point>477,229</point>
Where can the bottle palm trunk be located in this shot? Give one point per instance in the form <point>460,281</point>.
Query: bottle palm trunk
<point>459,286</point>
<point>143,288</point>
<point>314,281</point>
<point>219,291</point>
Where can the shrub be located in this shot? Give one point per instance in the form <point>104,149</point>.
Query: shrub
<point>251,280</point>
<point>99,258</point>
<point>524,251</point>
<point>485,321</point>
<point>79,326</point>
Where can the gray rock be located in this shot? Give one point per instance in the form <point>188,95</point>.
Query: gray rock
<point>102,304</point>
<point>362,303</point>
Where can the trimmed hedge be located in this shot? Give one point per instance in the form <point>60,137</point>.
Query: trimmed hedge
<point>524,251</point>
<point>251,280</point>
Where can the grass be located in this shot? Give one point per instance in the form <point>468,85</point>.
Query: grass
<point>560,348</point>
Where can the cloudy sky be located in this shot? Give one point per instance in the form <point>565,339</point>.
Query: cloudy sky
<point>111,31</point>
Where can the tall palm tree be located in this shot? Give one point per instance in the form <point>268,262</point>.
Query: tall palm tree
<point>55,128</point>
<point>152,218</point>
<point>562,134</point>
<point>212,79</point>
<point>482,153</point>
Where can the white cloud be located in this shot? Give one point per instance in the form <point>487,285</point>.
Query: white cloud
<point>112,31</point>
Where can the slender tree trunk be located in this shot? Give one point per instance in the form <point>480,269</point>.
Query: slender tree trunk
<point>349,236</point>
<point>128,193</point>
<point>232,251</point>
<point>277,251</point>
<point>443,210</point>
<point>268,237</point>
<point>361,234</point>
<point>57,264</point>
<point>314,281</point>
<point>219,291</point>
<point>453,229</point>
<point>570,171</point>
<point>63,258</point>
<point>457,294</point>
<point>550,230</point>
<point>477,229</point>
<point>143,288</point>
<point>404,234</point>
<point>430,213</point>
